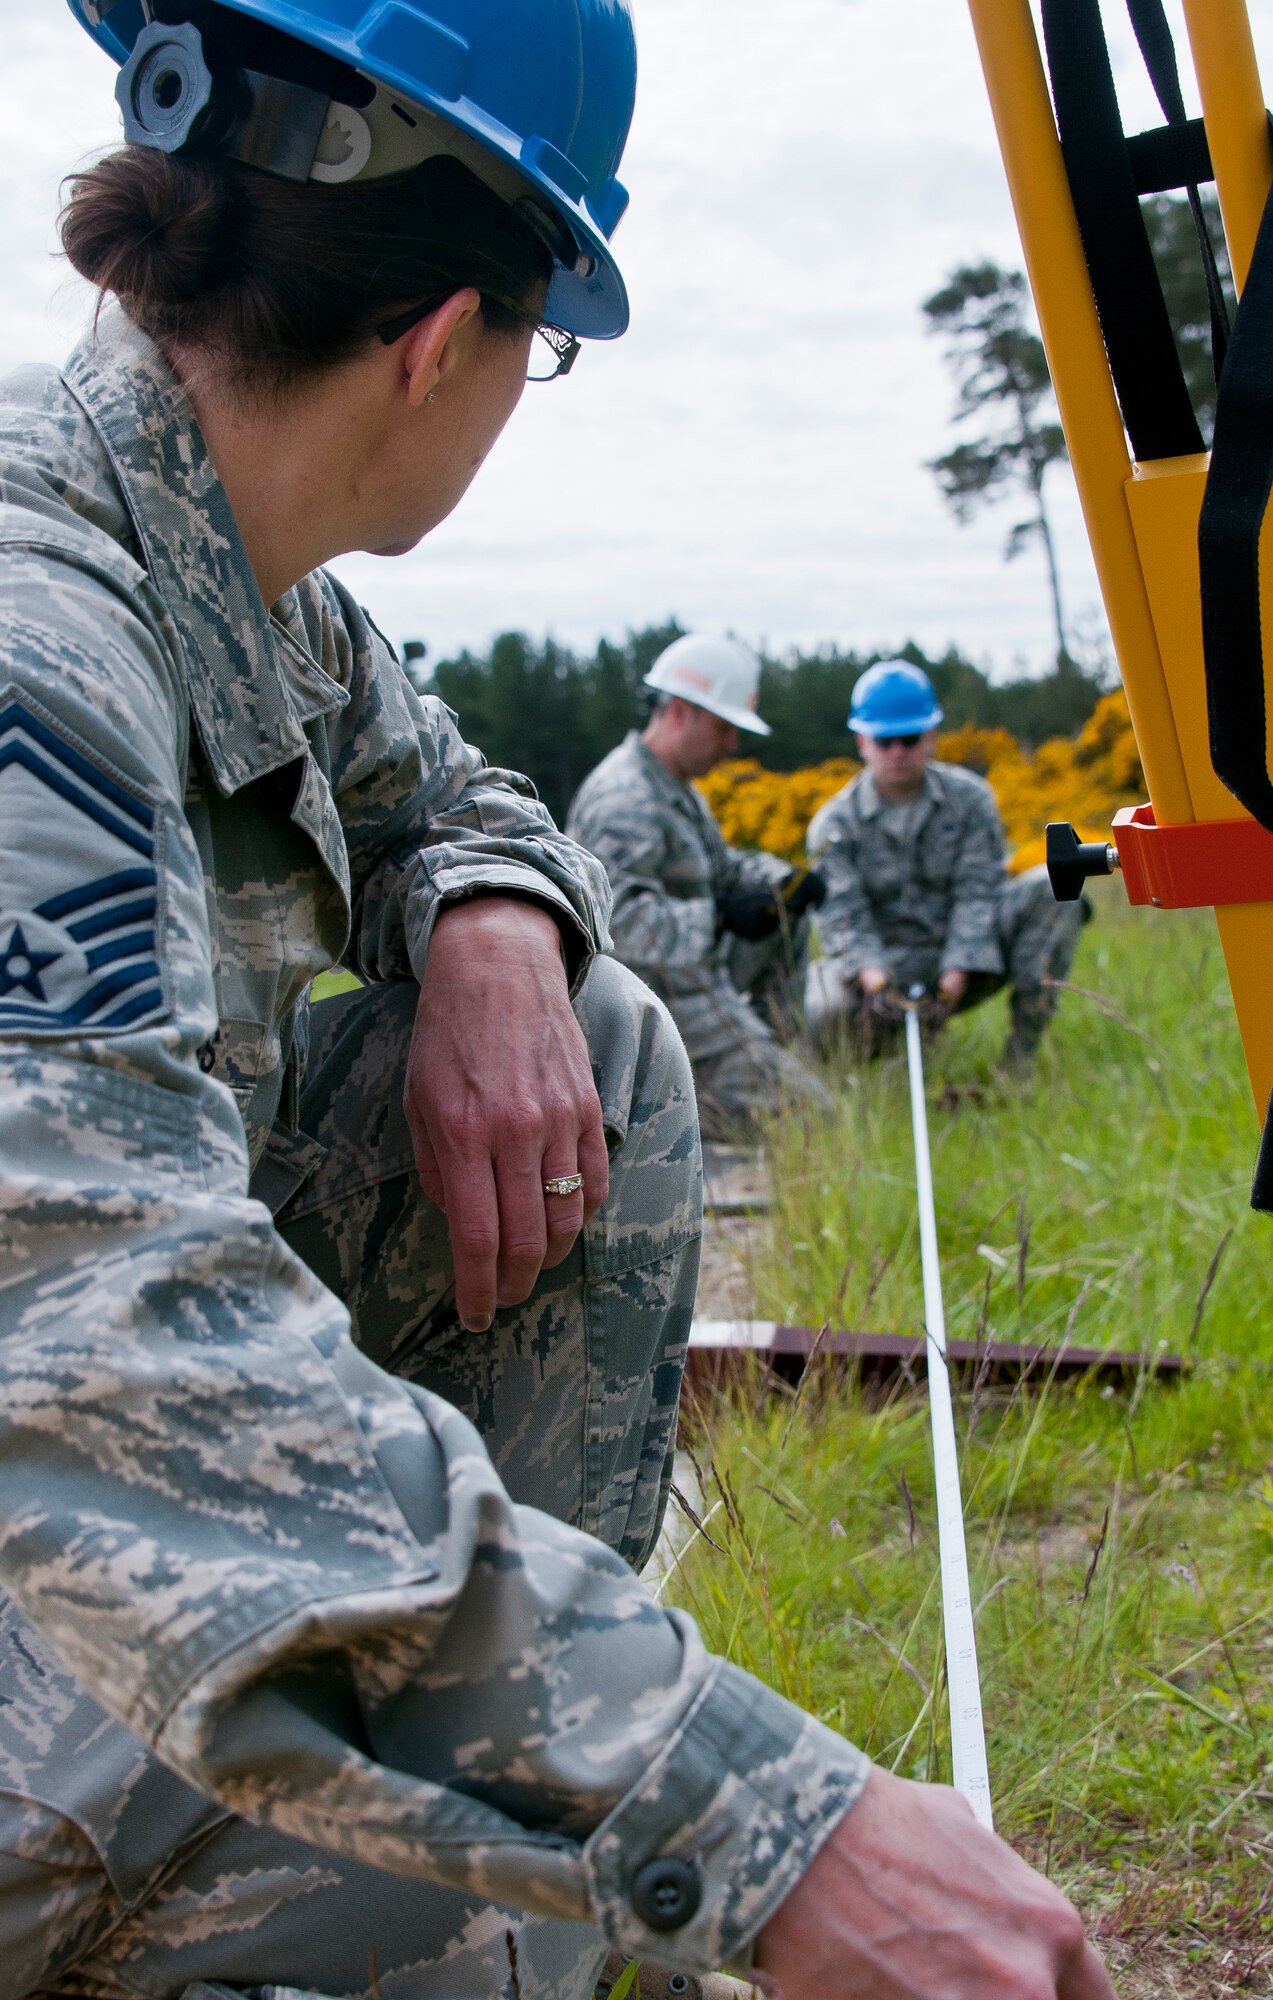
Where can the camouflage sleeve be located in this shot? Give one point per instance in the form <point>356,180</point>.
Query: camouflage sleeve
<point>654,932</point>
<point>427,822</point>
<point>298,1580</point>
<point>845,921</point>
<point>743,869</point>
<point>971,942</point>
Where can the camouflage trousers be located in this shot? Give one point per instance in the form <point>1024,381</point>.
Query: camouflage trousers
<point>117,1880</point>
<point>1036,936</point>
<point>740,1035</point>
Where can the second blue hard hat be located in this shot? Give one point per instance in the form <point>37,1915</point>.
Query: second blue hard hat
<point>535,96</point>
<point>893,698</point>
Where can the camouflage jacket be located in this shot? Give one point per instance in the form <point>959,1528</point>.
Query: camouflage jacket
<point>918,907</point>
<point>297,1579</point>
<point>668,861</point>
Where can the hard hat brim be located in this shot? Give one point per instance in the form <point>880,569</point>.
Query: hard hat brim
<point>594,307</point>
<point>742,718</point>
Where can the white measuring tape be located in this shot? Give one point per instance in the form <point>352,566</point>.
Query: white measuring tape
<point>967,1732</point>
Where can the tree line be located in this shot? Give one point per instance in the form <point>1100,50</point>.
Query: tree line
<point>539,708</point>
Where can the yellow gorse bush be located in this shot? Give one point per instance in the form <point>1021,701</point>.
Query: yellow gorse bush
<point>1083,778</point>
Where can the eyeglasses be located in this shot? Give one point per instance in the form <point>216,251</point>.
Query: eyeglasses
<point>903,742</point>
<point>552,351</point>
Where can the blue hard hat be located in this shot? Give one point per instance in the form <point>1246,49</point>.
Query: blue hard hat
<point>536,96</point>
<point>893,698</point>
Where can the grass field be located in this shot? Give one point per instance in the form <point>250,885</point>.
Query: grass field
<point>1121,1540</point>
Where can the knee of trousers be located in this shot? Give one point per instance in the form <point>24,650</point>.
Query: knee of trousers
<point>1034,926</point>
<point>1029,897</point>
<point>646,1087</point>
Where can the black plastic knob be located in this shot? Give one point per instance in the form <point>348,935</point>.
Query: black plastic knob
<point>1071,860</point>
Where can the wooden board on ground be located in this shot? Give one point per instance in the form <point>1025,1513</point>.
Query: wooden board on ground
<point>716,1346</point>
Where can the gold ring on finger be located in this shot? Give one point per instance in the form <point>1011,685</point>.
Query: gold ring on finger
<point>564,1184</point>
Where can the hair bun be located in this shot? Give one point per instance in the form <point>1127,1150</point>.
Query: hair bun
<point>275,281</point>
<point>154,228</point>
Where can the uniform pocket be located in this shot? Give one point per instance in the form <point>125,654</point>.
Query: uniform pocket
<point>287,1161</point>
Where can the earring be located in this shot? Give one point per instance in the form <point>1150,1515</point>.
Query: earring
<point>429,396</point>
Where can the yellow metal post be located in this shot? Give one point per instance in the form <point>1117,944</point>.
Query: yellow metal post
<point>1142,520</point>
<point>1076,356</point>
<point>1237,126</point>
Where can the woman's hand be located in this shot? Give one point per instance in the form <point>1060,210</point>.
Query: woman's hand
<point>910,1899</point>
<point>500,1099</point>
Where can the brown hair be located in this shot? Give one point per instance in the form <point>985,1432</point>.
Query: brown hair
<point>278,279</point>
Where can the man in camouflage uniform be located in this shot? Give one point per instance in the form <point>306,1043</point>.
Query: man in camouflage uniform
<point>912,853</point>
<point>313,1677</point>
<point>716,932</point>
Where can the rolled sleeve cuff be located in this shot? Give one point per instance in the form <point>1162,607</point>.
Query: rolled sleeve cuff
<point>505,878</point>
<point>736,1808</point>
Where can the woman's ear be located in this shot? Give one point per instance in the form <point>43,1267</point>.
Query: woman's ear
<point>436,343</point>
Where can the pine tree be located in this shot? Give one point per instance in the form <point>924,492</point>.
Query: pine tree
<point>999,366</point>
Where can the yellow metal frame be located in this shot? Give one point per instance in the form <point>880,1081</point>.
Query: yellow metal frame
<point>1142,520</point>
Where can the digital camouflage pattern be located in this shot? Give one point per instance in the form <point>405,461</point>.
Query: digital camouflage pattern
<point>667,863</point>
<point>935,898</point>
<point>296,1619</point>
<point>575,1392</point>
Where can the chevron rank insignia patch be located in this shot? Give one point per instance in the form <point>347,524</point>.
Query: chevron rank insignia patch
<point>80,908</point>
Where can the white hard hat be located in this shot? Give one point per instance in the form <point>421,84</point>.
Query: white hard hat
<point>722,675</point>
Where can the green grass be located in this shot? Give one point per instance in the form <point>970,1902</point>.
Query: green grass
<point>1125,1166</point>
<point>1121,1541</point>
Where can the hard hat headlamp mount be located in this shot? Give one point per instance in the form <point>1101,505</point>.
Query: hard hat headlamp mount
<point>173,100</point>
<point>166,88</point>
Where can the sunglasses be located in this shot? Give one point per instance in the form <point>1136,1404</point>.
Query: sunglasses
<point>905,742</point>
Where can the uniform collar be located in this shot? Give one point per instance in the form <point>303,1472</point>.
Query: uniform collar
<point>870,803</point>
<point>251,685</point>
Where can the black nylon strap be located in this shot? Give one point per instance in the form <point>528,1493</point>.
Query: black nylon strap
<point>1262,1185</point>
<point>1149,24</point>
<point>1138,340</point>
<point>1233,508</point>
<point>1170,156</point>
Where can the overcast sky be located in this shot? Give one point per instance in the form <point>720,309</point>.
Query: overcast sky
<point>751,455</point>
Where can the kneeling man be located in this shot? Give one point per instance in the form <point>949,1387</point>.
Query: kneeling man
<point>716,932</point>
<point>912,854</point>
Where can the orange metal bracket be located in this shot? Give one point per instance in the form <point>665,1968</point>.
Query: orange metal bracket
<point>1205,863</point>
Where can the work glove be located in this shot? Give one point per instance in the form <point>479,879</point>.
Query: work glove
<point>749,913</point>
<point>880,1017</point>
<point>934,1010</point>
<point>884,1008</point>
<point>804,889</point>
